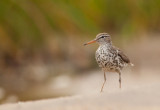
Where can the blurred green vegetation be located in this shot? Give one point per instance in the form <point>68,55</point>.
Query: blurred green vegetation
<point>38,32</point>
<point>27,23</point>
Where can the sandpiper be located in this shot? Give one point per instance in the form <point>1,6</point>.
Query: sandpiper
<point>108,57</point>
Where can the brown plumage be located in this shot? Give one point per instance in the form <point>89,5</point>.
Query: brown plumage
<point>108,57</point>
<point>122,55</point>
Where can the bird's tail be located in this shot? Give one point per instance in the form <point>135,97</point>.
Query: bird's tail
<point>131,64</point>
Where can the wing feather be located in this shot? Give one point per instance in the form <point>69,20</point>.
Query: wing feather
<point>122,55</point>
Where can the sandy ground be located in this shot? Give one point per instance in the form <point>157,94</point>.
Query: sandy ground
<point>146,98</point>
<point>140,92</point>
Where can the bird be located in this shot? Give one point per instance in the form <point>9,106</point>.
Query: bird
<point>109,57</point>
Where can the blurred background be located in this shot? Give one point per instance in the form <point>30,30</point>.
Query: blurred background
<point>42,53</point>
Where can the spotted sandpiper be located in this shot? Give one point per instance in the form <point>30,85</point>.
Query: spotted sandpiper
<point>108,57</point>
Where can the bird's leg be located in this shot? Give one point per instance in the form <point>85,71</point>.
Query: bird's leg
<point>119,72</point>
<point>103,82</point>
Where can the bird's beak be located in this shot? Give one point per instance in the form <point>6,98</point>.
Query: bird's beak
<point>90,42</point>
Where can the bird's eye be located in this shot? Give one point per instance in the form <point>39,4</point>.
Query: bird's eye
<point>103,37</point>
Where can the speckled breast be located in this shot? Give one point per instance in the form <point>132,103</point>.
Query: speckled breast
<point>108,59</point>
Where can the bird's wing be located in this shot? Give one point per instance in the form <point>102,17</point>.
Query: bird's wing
<point>122,55</point>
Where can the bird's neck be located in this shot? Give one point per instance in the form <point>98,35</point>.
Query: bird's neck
<point>106,45</point>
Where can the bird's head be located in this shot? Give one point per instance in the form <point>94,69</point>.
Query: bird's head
<point>101,38</point>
